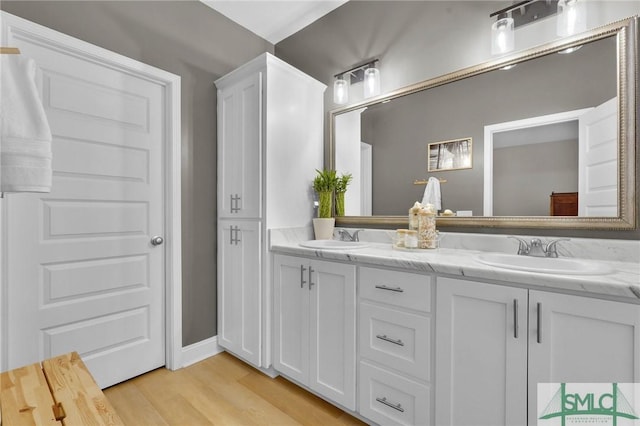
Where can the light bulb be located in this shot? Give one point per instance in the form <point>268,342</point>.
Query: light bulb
<point>502,36</point>
<point>571,17</point>
<point>340,91</point>
<point>371,82</point>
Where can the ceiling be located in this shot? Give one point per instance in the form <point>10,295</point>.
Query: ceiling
<point>274,20</point>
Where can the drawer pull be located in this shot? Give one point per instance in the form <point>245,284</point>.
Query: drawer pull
<point>311,283</point>
<point>390,340</point>
<point>235,198</point>
<point>539,310</point>
<point>384,401</point>
<point>515,318</point>
<point>302,281</point>
<point>396,289</point>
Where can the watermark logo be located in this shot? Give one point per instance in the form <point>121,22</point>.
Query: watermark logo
<point>561,404</point>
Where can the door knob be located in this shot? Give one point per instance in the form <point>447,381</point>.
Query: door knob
<point>157,240</point>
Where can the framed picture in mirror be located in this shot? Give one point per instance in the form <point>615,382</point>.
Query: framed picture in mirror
<point>454,154</point>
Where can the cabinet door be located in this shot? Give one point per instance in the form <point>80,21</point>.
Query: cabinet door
<point>576,339</point>
<point>239,286</point>
<point>333,331</point>
<point>291,317</point>
<point>481,354</point>
<point>240,149</point>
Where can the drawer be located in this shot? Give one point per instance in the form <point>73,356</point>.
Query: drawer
<point>387,398</point>
<point>396,339</point>
<point>402,289</point>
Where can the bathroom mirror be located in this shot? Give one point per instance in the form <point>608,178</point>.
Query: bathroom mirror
<point>543,105</point>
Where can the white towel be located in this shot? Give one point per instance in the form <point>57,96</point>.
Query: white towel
<point>25,136</point>
<point>432,193</point>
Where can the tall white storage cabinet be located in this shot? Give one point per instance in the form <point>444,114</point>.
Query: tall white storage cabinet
<point>270,141</point>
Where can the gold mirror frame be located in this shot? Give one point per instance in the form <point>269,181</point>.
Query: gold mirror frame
<point>626,33</point>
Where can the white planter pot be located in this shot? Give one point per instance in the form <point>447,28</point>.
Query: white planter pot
<point>323,228</point>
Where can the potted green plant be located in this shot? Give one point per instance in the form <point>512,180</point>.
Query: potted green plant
<point>324,184</point>
<point>341,187</point>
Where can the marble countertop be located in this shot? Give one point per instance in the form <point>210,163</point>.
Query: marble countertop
<point>623,282</point>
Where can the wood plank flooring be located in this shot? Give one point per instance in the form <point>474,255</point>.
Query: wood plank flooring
<point>220,390</point>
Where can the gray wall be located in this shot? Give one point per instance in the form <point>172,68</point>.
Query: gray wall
<point>524,176</point>
<point>415,40</point>
<point>194,41</point>
<point>418,40</point>
<point>399,131</point>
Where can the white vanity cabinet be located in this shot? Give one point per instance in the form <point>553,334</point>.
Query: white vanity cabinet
<point>579,339</point>
<point>270,126</point>
<point>315,325</point>
<point>494,342</point>
<point>395,346</point>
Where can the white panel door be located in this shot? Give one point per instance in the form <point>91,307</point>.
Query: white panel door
<point>581,340</point>
<point>481,354</point>
<point>332,332</point>
<point>598,161</point>
<point>348,158</point>
<point>239,307</point>
<point>366,179</point>
<point>82,273</point>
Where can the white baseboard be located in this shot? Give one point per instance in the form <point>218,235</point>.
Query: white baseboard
<point>200,350</point>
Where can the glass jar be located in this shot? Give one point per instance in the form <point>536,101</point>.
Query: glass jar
<point>398,241</point>
<point>411,239</point>
<point>427,237</point>
<point>413,216</point>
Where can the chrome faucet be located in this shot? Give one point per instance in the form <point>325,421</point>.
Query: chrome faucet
<point>550,248</point>
<point>346,236</point>
<point>537,247</point>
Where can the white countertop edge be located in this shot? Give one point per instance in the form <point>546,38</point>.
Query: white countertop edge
<point>624,282</point>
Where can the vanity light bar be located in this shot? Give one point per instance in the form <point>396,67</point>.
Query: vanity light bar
<point>357,73</point>
<point>367,73</point>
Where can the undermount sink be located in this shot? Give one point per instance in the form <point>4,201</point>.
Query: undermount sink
<point>334,244</point>
<point>543,265</point>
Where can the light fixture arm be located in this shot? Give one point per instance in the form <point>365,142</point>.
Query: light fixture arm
<point>528,11</point>
<point>356,73</point>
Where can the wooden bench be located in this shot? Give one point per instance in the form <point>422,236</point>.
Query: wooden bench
<point>61,391</point>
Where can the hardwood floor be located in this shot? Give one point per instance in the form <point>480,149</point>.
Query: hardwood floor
<point>220,390</point>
